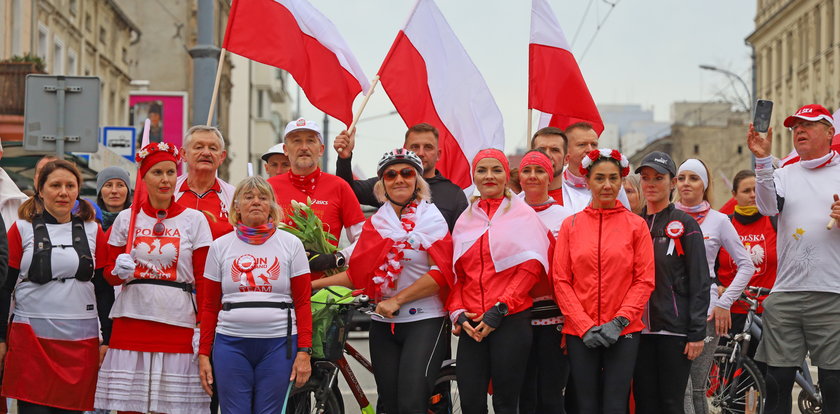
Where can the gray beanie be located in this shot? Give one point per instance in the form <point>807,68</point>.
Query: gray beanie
<point>111,173</point>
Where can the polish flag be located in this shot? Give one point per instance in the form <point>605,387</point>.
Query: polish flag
<point>296,37</point>
<point>430,78</point>
<point>555,84</point>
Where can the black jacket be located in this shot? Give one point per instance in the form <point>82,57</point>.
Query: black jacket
<point>446,196</point>
<point>680,301</point>
<point>4,252</point>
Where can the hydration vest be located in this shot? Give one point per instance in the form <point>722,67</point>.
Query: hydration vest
<point>40,271</point>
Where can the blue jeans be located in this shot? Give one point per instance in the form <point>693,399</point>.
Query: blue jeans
<point>252,374</point>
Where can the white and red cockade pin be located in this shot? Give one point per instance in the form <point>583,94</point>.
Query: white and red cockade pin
<point>674,230</point>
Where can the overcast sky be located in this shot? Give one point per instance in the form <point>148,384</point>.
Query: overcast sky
<point>646,52</point>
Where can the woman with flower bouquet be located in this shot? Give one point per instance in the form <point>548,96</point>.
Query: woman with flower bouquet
<point>403,260</point>
<point>157,252</point>
<point>603,276</point>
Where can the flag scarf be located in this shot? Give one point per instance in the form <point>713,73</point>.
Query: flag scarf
<point>296,37</point>
<point>555,83</point>
<point>429,77</point>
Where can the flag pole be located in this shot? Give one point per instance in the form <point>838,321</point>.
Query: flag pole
<point>364,103</point>
<point>530,120</point>
<point>216,87</point>
<point>138,193</point>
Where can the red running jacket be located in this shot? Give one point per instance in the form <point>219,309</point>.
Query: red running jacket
<point>603,267</point>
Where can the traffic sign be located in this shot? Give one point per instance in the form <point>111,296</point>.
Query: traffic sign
<point>61,114</point>
<point>120,140</point>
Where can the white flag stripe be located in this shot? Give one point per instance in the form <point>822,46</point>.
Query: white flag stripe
<point>545,28</point>
<point>461,96</point>
<point>315,24</point>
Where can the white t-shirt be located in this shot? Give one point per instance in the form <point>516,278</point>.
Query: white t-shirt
<point>256,273</point>
<point>415,264</point>
<point>166,257</point>
<point>69,299</point>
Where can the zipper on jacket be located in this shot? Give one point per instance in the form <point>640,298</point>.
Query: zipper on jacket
<point>481,274</point>
<point>600,226</point>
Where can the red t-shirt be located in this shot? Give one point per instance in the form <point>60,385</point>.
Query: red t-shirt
<point>557,195</point>
<point>210,204</point>
<point>332,200</point>
<point>759,238</point>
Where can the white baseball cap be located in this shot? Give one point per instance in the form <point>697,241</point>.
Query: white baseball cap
<point>277,149</point>
<point>303,124</point>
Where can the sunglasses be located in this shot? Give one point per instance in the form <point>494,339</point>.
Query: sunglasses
<point>406,173</point>
<point>159,227</point>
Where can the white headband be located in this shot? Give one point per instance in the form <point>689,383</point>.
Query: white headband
<point>695,166</point>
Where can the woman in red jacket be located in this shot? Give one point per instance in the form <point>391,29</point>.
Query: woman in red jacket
<point>758,233</point>
<point>500,248</point>
<point>603,276</point>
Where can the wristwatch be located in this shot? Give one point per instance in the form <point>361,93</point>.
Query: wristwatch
<point>502,308</point>
<point>308,350</point>
<point>340,260</point>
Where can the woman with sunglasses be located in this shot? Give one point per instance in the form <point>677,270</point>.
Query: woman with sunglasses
<point>256,316</point>
<point>603,275</point>
<point>548,367</point>
<point>56,259</point>
<point>150,366</point>
<point>500,249</point>
<point>403,260</point>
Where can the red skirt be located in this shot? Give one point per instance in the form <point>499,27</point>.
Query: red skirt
<point>52,372</point>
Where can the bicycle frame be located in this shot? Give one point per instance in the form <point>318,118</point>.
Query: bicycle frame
<point>355,387</point>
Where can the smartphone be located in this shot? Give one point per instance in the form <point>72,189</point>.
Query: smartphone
<point>761,117</point>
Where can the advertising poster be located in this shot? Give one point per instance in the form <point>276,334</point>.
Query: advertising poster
<point>167,112</point>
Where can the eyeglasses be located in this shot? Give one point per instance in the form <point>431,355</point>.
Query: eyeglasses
<point>809,124</point>
<point>159,227</point>
<point>406,173</point>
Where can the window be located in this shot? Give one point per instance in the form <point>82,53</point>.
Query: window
<point>87,71</point>
<point>740,149</point>
<point>72,62</point>
<point>103,35</point>
<point>696,149</point>
<point>74,7</point>
<point>817,29</point>
<point>58,57</point>
<point>88,22</point>
<point>260,103</point>
<point>43,34</point>
<point>17,30</point>
<point>125,55</point>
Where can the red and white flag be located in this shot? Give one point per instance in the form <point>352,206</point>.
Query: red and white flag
<point>555,84</point>
<point>430,78</point>
<point>296,37</point>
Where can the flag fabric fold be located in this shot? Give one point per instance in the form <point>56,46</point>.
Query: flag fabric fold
<point>430,78</point>
<point>294,36</point>
<point>555,83</point>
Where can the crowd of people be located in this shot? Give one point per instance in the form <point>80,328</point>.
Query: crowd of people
<point>579,288</point>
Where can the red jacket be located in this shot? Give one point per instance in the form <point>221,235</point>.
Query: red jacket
<point>603,268</point>
<point>479,286</point>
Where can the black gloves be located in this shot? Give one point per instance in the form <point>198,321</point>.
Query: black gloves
<point>493,317</point>
<point>593,339</point>
<point>318,262</point>
<point>606,334</point>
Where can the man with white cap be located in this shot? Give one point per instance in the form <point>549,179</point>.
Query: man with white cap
<point>10,197</point>
<point>802,315</point>
<point>332,199</point>
<point>201,188</point>
<point>276,161</point>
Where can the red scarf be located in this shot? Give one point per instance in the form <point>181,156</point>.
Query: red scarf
<point>573,180</point>
<point>305,183</point>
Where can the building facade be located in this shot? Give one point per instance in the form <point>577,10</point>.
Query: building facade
<point>796,48</point>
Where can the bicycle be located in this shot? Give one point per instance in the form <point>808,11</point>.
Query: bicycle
<point>734,374</point>
<point>321,394</point>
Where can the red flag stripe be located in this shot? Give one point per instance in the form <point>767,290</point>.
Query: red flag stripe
<point>267,32</point>
<point>404,78</point>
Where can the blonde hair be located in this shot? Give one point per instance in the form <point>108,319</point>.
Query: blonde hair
<point>424,193</point>
<point>262,186</point>
<point>707,193</point>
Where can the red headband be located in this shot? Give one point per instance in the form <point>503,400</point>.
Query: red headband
<point>491,153</point>
<point>537,158</point>
<point>154,153</point>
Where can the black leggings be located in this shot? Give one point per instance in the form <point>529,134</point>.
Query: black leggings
<point>661,375</point>
<point>546,374</point>
<point>406,363</point>
<point>32,408</point>
<point>501,357</point>
<point>780,385</point>
<point>602,375</point>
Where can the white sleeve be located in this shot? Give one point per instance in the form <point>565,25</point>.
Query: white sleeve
<point>766,187</point>
<point>202,234</point>
<point>731,241</point>
<point>299,264</point>
<point>212,267</point>
<point>119,230</point>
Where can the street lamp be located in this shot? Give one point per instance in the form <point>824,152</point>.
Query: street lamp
<point>733,76</point>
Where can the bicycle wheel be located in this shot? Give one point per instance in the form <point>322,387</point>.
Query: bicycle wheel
<point>445,395</point>
<point>311,399</point>
<point>720,394</point>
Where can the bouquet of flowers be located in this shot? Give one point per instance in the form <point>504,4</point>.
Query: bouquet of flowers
<point>309,229</point>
